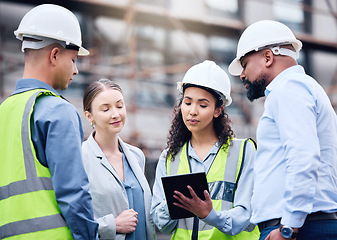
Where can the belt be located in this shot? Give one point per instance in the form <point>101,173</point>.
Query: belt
<point>317,216</point>
<point>269,223</point>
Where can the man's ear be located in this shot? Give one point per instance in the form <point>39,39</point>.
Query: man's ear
<point>54,54</point>
<point>268,57</point>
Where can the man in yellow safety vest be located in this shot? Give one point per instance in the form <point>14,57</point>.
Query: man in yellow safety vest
<point>44,192</point>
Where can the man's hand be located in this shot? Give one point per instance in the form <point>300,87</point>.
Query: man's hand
<point>276,235</point>
<point>195,205</point>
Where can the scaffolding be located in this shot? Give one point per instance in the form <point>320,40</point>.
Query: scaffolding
<point>121,59</point>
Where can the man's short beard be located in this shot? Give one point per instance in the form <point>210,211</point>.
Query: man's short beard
<point>256,88</point>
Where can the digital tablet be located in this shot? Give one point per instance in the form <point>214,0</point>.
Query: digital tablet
<point>179,182</point>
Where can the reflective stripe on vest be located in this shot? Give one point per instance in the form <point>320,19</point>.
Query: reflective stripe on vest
<point>222,178</point>
<point>27,201</point>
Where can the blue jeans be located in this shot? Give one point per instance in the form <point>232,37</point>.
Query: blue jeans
<point>311,230</point>
<point>265,232</point>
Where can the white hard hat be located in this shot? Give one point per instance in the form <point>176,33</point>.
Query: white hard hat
<point>53,22</point>
<point>210,75</point>
<point>261,34</point>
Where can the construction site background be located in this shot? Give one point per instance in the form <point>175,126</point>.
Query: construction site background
<point>146,46</point>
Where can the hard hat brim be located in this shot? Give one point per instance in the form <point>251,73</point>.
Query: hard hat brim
<point>235,67</point>
<point>180,87</point>
<point>83,52</point>
<point>228,101</point>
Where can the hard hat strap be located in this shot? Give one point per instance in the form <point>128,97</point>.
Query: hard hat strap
<point>284,51</point>
<point>221,96</point>
<point>38,42</point>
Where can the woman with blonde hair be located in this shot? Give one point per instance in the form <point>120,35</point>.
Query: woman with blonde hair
<point>120,192</point>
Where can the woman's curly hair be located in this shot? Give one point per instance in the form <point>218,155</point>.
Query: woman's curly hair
<point>179,133</point>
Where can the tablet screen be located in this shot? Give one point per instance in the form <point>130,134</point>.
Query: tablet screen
<point>179,182</point>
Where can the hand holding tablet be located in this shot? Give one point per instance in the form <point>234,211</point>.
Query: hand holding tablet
<point>197,181</point>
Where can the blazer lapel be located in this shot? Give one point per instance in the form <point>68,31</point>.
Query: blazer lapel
<point>134,165</point>
<point>102,158</point>
<point>143,183</point>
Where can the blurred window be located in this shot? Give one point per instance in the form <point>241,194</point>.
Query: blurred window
<point>290,13</point>
<point>228,8</point>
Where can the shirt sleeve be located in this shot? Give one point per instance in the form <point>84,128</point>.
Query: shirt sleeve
<point>237,219</point>
<point>159,210</point>
<point>295,113</point>
<point>57,135</point>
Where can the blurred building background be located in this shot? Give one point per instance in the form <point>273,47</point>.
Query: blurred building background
<point>146,46</point>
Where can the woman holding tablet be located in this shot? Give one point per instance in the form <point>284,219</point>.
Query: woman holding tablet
<point>201,140</point>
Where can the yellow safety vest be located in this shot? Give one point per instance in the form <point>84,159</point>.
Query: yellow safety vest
<point>28,207</point>
<point>221,178</point>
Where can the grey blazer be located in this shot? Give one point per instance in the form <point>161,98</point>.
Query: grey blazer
<point>107,190</point>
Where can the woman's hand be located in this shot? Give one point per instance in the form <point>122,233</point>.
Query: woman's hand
<point>195,205</point>
<point>126,222</point>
